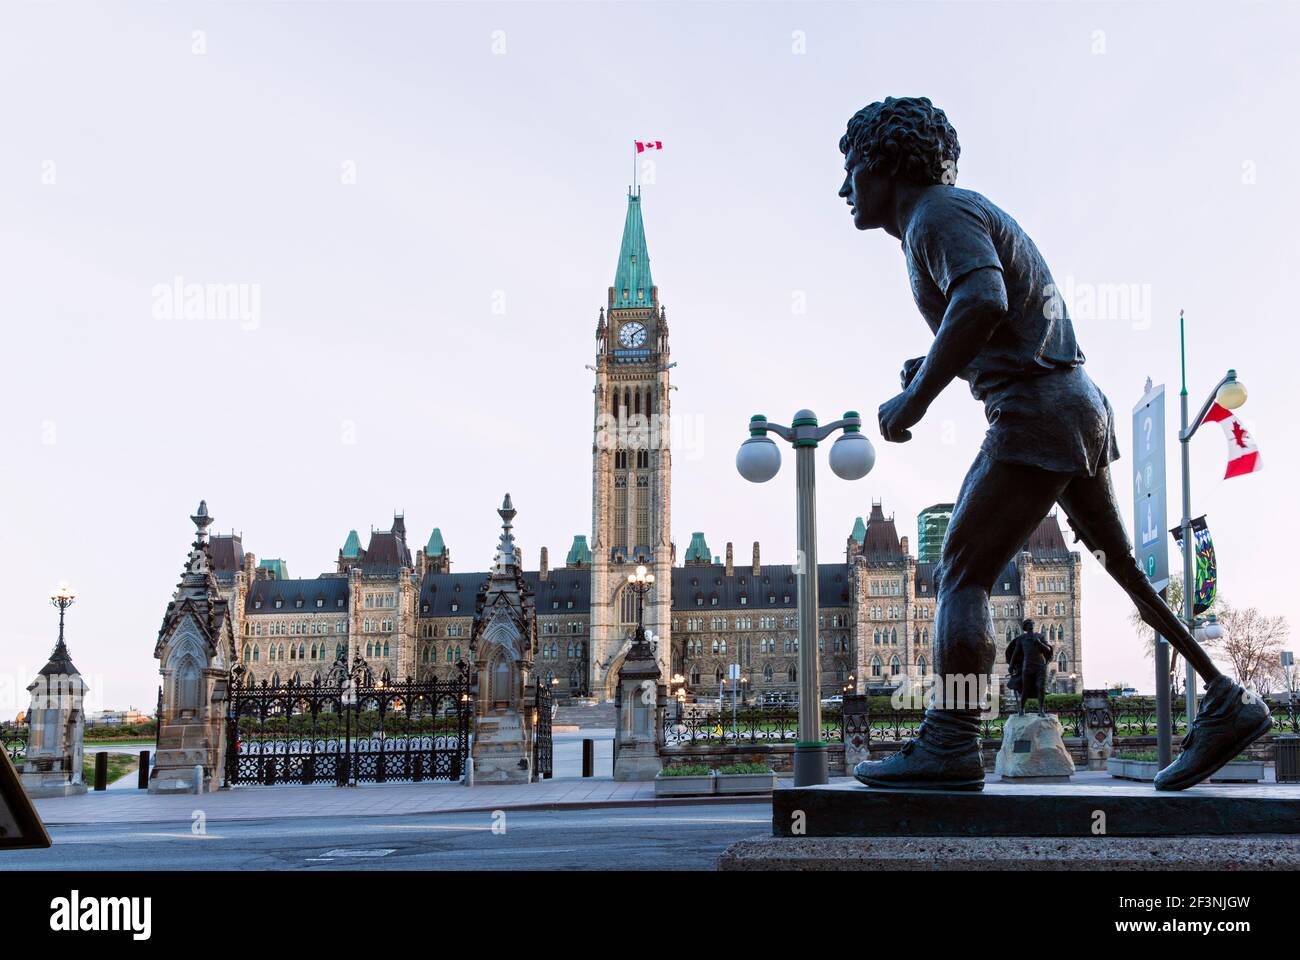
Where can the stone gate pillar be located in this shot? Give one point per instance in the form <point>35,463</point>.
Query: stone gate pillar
<point>503,641</point>
<point>56,721</point>
<point>1098,728</point>
<point>195,651</point>
<point>640,702</point>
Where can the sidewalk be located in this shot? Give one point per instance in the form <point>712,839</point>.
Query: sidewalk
<point>371,799</point>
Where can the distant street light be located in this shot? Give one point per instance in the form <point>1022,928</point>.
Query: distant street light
<point>758,461</point>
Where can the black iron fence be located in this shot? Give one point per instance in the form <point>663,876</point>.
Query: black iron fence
<point>13,738</point>
<point>348,728</point>
<point>686,724</point>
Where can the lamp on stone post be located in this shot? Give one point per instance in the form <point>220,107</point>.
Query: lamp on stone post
<point>640,697</point>
<point>758,461</point>
<point>56,718</point>
<point>1229,393</point>
<point>640,584</point>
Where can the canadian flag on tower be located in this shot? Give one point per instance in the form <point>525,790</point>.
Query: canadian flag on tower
<point>1243,455</point>
<point>643,145</point>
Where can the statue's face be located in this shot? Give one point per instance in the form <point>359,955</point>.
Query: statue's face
<point>867,195</point>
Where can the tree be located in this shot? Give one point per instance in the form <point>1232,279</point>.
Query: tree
<point>1251,645</point>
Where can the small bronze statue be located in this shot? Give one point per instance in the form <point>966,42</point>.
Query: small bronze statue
<point>999,323</point>
<point>1028,656</point>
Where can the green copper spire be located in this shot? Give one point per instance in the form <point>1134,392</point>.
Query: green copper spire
<point>579,552</point>
<point>435,547</point>
<point>859,531</point>
<point>698,551</point>
<point>632,280</point>
<point>352,546</point>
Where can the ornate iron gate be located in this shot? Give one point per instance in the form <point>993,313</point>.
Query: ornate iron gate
<point>542,746</point>
<point>348,728</point>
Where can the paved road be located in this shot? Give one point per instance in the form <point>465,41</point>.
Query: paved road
<point>634,838</point>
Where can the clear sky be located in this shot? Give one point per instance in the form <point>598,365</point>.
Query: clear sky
<point>427,198</point>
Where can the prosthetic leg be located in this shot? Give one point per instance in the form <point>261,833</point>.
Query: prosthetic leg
<point>1230,718</point>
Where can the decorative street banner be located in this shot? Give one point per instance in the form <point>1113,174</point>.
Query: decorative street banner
<point>1149,486</point>
<point>1207,570</point>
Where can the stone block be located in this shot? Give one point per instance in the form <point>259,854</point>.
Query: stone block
<point>1033,750</point>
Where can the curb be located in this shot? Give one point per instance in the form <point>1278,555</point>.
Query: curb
<point>539,806</point>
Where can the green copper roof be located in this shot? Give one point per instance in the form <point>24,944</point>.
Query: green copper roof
<point>435,547</point>
<point>579,552</point>
<point>632,281</point>
<point>277,567</point>
<point>859,531</point>
<point>352,546</point>
<point>698,550</point>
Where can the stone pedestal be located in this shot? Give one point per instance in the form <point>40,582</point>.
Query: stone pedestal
<point>56,724</point>
<point>1098,728</point>
<point>1033,751</point>
<point>502,749</point>
<point>639,706</point>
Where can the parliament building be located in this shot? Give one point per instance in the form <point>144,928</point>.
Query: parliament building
<point>404,608</point>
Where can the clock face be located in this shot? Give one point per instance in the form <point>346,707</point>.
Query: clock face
<point>631,334</point>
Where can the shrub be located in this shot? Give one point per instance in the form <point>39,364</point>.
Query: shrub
<point>735,768</point>
<point>687,770</point>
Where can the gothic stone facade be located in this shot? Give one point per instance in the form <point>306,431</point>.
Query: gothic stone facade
<point>410,615</point>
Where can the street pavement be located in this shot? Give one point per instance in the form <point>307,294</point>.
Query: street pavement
<point>623,838</point>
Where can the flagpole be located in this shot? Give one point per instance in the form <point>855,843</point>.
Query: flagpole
<point>1189,550</point>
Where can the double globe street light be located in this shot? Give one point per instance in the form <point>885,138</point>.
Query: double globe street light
<point>758,461</point>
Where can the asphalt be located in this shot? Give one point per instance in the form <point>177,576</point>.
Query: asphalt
<point>624,838</point>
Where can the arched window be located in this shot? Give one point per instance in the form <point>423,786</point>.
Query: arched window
<point>256,652</point>
<point>248,652</point>
<point>370,649</point>
<point>875,666</point>
<point>841,673</point>
<point>792,674</point>
<point>449,655</point>
<point>717,675</point>
<point>895,666</point>
<point>922,666</point>
<point>893,637</point>
<point>767,673</point>
<point>1062,664</point>
<point>695,676</point>
<point>302,651</point>
<point>385,648</point>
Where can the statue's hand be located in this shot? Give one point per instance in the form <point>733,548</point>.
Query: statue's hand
<point>910,368</point>
<point>898,414</point>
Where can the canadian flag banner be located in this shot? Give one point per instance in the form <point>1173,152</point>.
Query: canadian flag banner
<point>1243,455</point>
<point>643,145</point>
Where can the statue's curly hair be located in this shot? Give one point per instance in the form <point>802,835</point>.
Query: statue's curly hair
<point>905,138</point>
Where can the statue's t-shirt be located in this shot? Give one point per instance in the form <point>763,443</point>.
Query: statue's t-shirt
<point>1042,408</point>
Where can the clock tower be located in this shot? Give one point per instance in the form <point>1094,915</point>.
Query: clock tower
<point>631,463</point>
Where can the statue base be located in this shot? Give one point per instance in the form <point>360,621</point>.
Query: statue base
<point>1091,805</point>
<point>1033,751</point>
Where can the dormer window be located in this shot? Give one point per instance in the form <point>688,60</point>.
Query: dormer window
<point>257,604</point>
<point>319,602</point>
<point>640,294</point>
<point>339,602</point>
<point>455,607</point>
<point>298,604</point>
<point>279,604</point>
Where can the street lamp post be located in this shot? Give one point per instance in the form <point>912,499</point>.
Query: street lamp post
<point>1229,393</point>
<point>640,584</point>
<point>758,461</point>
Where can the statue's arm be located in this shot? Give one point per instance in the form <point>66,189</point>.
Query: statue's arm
<point>977,303</point>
